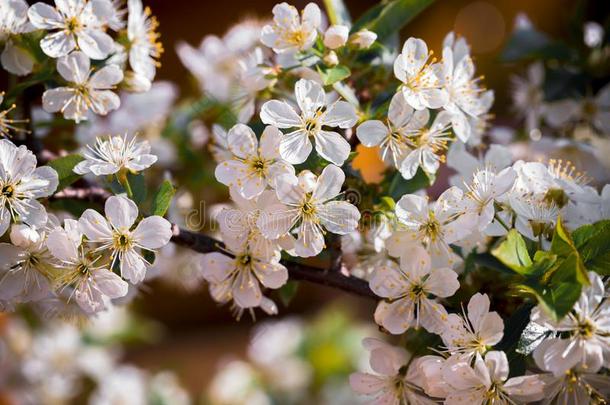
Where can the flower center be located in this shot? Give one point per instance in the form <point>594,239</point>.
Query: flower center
<point>432,228</point>
<point>73,25</point>
<point>8,191</point>
<point>586,329</point>
<point>244,260</point>
<point>308,208</point>
<point>556,196</point>
<point>296,37</point>
<point>311,124</point>
<point>122,241</point>
<point>259,166</point>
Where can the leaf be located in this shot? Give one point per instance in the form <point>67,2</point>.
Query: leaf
<point>64,167</point>
<point>557,300</point>
<point>572,267</point>
<point>399,186</point>
<point>337,12</point>
<point>513,253</point>
<point>335,74</point>
<point>386,20</point>
<point>149,256</point>
<point>163,198</point>
<point>532,44</point>
<point>593,244</point>
<point>288,291</point>
<point>138,187</point>
<point>513,328</point>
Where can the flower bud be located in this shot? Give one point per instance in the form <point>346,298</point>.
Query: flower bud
<point>331,59</point>
<point>336,36</point>
<point>363,39</point>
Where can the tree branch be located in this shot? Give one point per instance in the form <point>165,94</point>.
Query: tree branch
<point>335,277</point>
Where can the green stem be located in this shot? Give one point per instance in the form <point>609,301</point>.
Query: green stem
<point>497,218</point>
<point>122,179</point>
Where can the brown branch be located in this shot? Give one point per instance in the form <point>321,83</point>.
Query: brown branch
<point>336,276</point>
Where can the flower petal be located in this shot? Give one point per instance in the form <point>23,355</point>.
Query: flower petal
<point>121,212</point>
<point>153,232</point>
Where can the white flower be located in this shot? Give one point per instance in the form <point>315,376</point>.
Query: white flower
<point>115,233</point>
<point>466,98</point>
<point>363,39</point>
<point>594,111</point>
<point>25,265</point>
<point>586,330</point>
<point>497,157</point>
<point>76,24</point>
<point>85,91</point>
<point>125,384</point>
<point>576,386</point>
<point>253,165</point>
<point>144,46</point>
<point>238,226</point>
<point>476,332</point>
<point>92,281</point>
<point>593,34</point>
<point>528,97</point>
<point>433,225</point>
<point>428,145</point>
<point>308,206</point>
<point>487,382</point>
<point>290,33</point>
<point>295,146</point>
<point>406,291</point>
<point>14,21</point>
<point>21,183</point>
<point>252,77</point>
<point>484,190</point>
<point>394,137</point>
<point>390,384</point>
<point>219,148</point>
<point>422,81</point>
<point>109,156</point>
<point>336,36</point>
<point>239,277</point>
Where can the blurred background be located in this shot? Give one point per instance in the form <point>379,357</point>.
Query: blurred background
<point>189,334</point>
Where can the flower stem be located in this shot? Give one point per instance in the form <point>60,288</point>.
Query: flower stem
<point>501,222</point>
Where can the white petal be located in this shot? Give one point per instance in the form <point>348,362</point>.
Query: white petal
<point>57,44</point>
<point>270,275</point>
<point>388,282</point>
<point>16,60</point>
<point>153,232</point>
<point>270,143</point>
<point>110,284</point>
<point>332,147</point>
<point>242,141</point>
<point>106,77</point>
<point>95,43</point>
<point>246,290</point>
<point>295,147</point>
<point>216,267</point>
<point>94,226</point>
<point>74,67</point>
<point>340,114</point>
<point>61,246</point>
<point>310,96</point>
<point>396,317</point>
<point>329,183</point>
<point>339,217</point>
<point>400,112</point>
<point>372,133</point>
<point>121,211</point>
<point>310,241</point>
<point>133,267</point>
<point>442,282</point>
<point>44,16</point>
<point>279,114</point>
<point>366,384</point>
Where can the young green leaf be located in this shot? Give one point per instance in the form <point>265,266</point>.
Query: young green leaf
<point>163,198</point>
<point>335,74</point>
<point>513,253</point>
<point>573,267</point>
<point>556,300</point>
<point>389,18</point>
<point>138,187</point>
<point>337,12</point>
<point>288,291</point>
<point>64,167</point>
<point>399,186</point>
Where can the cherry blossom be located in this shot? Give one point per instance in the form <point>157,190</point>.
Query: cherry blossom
<point>115,234</point>
<point>422,80</point>
<point>14,21</point>
<point>475,331</point>
<point>391,383</point>
<point>21,184</point>
<point>406,291</point>
<point>254,164</point>
<point>85,91</point>
<point>309,208</point>
<point>586,343</point>
<point>116,153</point>
<point>487,382</point>
<point>76,24</point>
<point>290,33</point>
<point>395,138</point>
<point>82,270</point>
<point>315,114</point>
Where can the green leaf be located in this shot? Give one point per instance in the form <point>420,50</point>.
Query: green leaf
<point>399,186</point>
<point>532,44</point>
<point>543,263</point>
<point>64,167</point>
<point>335,74</point>
<point>572,267</point>
<point>531,337</point>
<point>386,20</point>
<point>149,256</point>
<point>513,253</point>
<point>337,12</point>
<point>557,300</point>
<point>163,198</point>
<point>593,244</point>
<point>138,187</point>
<point>288,291</point>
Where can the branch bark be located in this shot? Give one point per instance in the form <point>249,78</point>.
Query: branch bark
<point>335,277</point>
